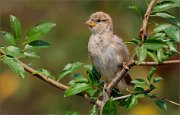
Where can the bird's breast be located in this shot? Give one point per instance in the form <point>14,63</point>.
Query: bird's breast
<point>104,57</point>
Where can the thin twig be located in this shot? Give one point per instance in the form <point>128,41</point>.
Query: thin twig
<point>143,30</point>
<point>122,97</point>
<point>147,91</point>
<point>48,79</point>
<point>167,100</point>
<point>43,77</point>
<point>159,64</point>
<point>161,98</point>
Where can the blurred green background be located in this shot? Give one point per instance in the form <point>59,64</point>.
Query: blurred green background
<point>68,42</point>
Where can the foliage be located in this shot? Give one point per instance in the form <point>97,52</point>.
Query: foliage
<point>31,44</point>
<point>159,45</point>
<point>109,107</point>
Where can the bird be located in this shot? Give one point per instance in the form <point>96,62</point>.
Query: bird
<point>107,51</point>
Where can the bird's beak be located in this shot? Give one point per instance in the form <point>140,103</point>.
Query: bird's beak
<point>90,23</point>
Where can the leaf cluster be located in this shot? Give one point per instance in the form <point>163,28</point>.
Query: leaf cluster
<point>91,83</point>
<point>160,44</point>
<point>32,42</point>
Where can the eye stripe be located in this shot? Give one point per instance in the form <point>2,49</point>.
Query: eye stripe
<point>99,20</point>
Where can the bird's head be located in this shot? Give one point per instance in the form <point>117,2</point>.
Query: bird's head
<point>99,23</point>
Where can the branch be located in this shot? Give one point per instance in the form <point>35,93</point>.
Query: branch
<point>156,97</point>
<point>167,100</point>
<point>143,30</point>
<point>154,63</point>
<point>122,97</point>
<point>43,77</point>
<point>48,79</point>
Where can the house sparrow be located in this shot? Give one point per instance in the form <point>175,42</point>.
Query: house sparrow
<point>106,50</point>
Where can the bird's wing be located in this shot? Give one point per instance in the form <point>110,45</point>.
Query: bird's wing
<point>122,47</point>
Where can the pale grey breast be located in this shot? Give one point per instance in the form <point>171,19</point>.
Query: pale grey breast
<point>107,57</point>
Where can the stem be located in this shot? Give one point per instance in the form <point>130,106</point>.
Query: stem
<point>122,97</point>
<point>161,98</point>
<point>48,79</point>
<point>44,78</point>
<point>167,100</point>
<point>159,64</point>
<point>143,30</point>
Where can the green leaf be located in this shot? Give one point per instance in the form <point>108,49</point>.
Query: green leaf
<point>14,65</point>
<point>139,89</point>
<point>151,72</point>
<point>132,101</point>
<point>159,35</point>
<point>34,47</point>
<point>31,54</point>
<point>154,95</point>
<point>164,15</point>
<point>76,88</point>
<point>141,95</point>
<point>134,41</point>
<point>157,79</point>
<point>153,56</point>
<point>139,82</point>
<point>93,75</point>
<point>123,102</point>
<point>164,5</point>
<point>38,30</point>
<point>13,51</point>
<point>73,66</point>
<point>29,48</point>
<point>63,73</point>
<point>171,46</point>
<point>161,27</point>
<point>109,108</point>
<point>39,44</point>
<point>161,104</point>
<point>168,16</point>
<point>16,27</point>
<point>154,44</point>
<point>78,79</point>
<point>173,32</point>
<point>69,68</point>
<point>152,87</point>
<point>8,37</point>
<point>161,55</point>
<point>43,72</point>
<point>93,110</point>
<point>91,92</point>
<point>141,54</point>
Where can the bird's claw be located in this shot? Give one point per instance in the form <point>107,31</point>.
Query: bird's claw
<point>106,88</point>
<point>125,66</point>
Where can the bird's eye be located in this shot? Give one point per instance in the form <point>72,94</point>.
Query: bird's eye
<point>98,20</point>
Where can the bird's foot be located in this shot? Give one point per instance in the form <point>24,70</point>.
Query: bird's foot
<point>125,66</point>
<point>106,88</point>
